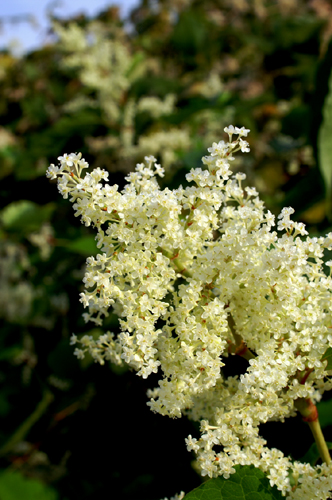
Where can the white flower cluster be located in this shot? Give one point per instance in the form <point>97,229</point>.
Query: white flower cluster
<point>177,496</point>
<point>196,275</point>
<point>109,70</point>
<point>157,107</point>
<point>103,62</point>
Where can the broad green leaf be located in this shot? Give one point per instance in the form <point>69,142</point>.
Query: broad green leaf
<point>248,483</point>
<point>14,486</point>
<point>25,216</point>
<point>312,454</point>
<point>325,146</point>
<point>328,356</point>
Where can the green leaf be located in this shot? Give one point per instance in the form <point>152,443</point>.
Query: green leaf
<point>136,61</point>
<point>325,413</point>
<point>248,483</point>
<point>328,356</point>
<point>85,246</point>
<point>325,146</point>
<point>14,486</point>
<point>25,216</point>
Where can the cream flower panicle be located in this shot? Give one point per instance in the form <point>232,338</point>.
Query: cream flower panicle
<point>199,274</point>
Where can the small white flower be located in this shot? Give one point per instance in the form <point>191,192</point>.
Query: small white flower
<point>244,146</point>
<point>242,131</point>
<point>73,339</point>
<point>52,172</point>
<point>79,353</point>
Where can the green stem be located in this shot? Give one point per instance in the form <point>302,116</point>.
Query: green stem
<point>22,431</point>
<point>177,264</point>
<point>310,415</point>
<point>320,441</point>
<point>181,269</point>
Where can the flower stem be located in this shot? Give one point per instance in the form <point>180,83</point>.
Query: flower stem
<point>310,415</point>
<point>320,441</point>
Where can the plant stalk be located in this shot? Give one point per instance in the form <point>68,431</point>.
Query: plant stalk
<point>310,415</point>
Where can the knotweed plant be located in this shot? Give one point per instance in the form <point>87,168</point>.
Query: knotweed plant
<point>197,275</point>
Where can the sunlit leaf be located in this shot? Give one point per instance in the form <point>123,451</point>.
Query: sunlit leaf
<point>248,483</point>
<point>25,216</point>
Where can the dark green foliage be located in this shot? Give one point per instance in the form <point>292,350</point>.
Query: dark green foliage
<point>248,483</point>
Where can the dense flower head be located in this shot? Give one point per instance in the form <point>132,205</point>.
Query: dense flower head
<point>198,274</point>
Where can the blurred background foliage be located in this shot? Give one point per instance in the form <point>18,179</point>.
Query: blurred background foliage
<point>164,82</point>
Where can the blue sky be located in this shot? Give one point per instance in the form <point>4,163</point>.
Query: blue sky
<point>26,36</point>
